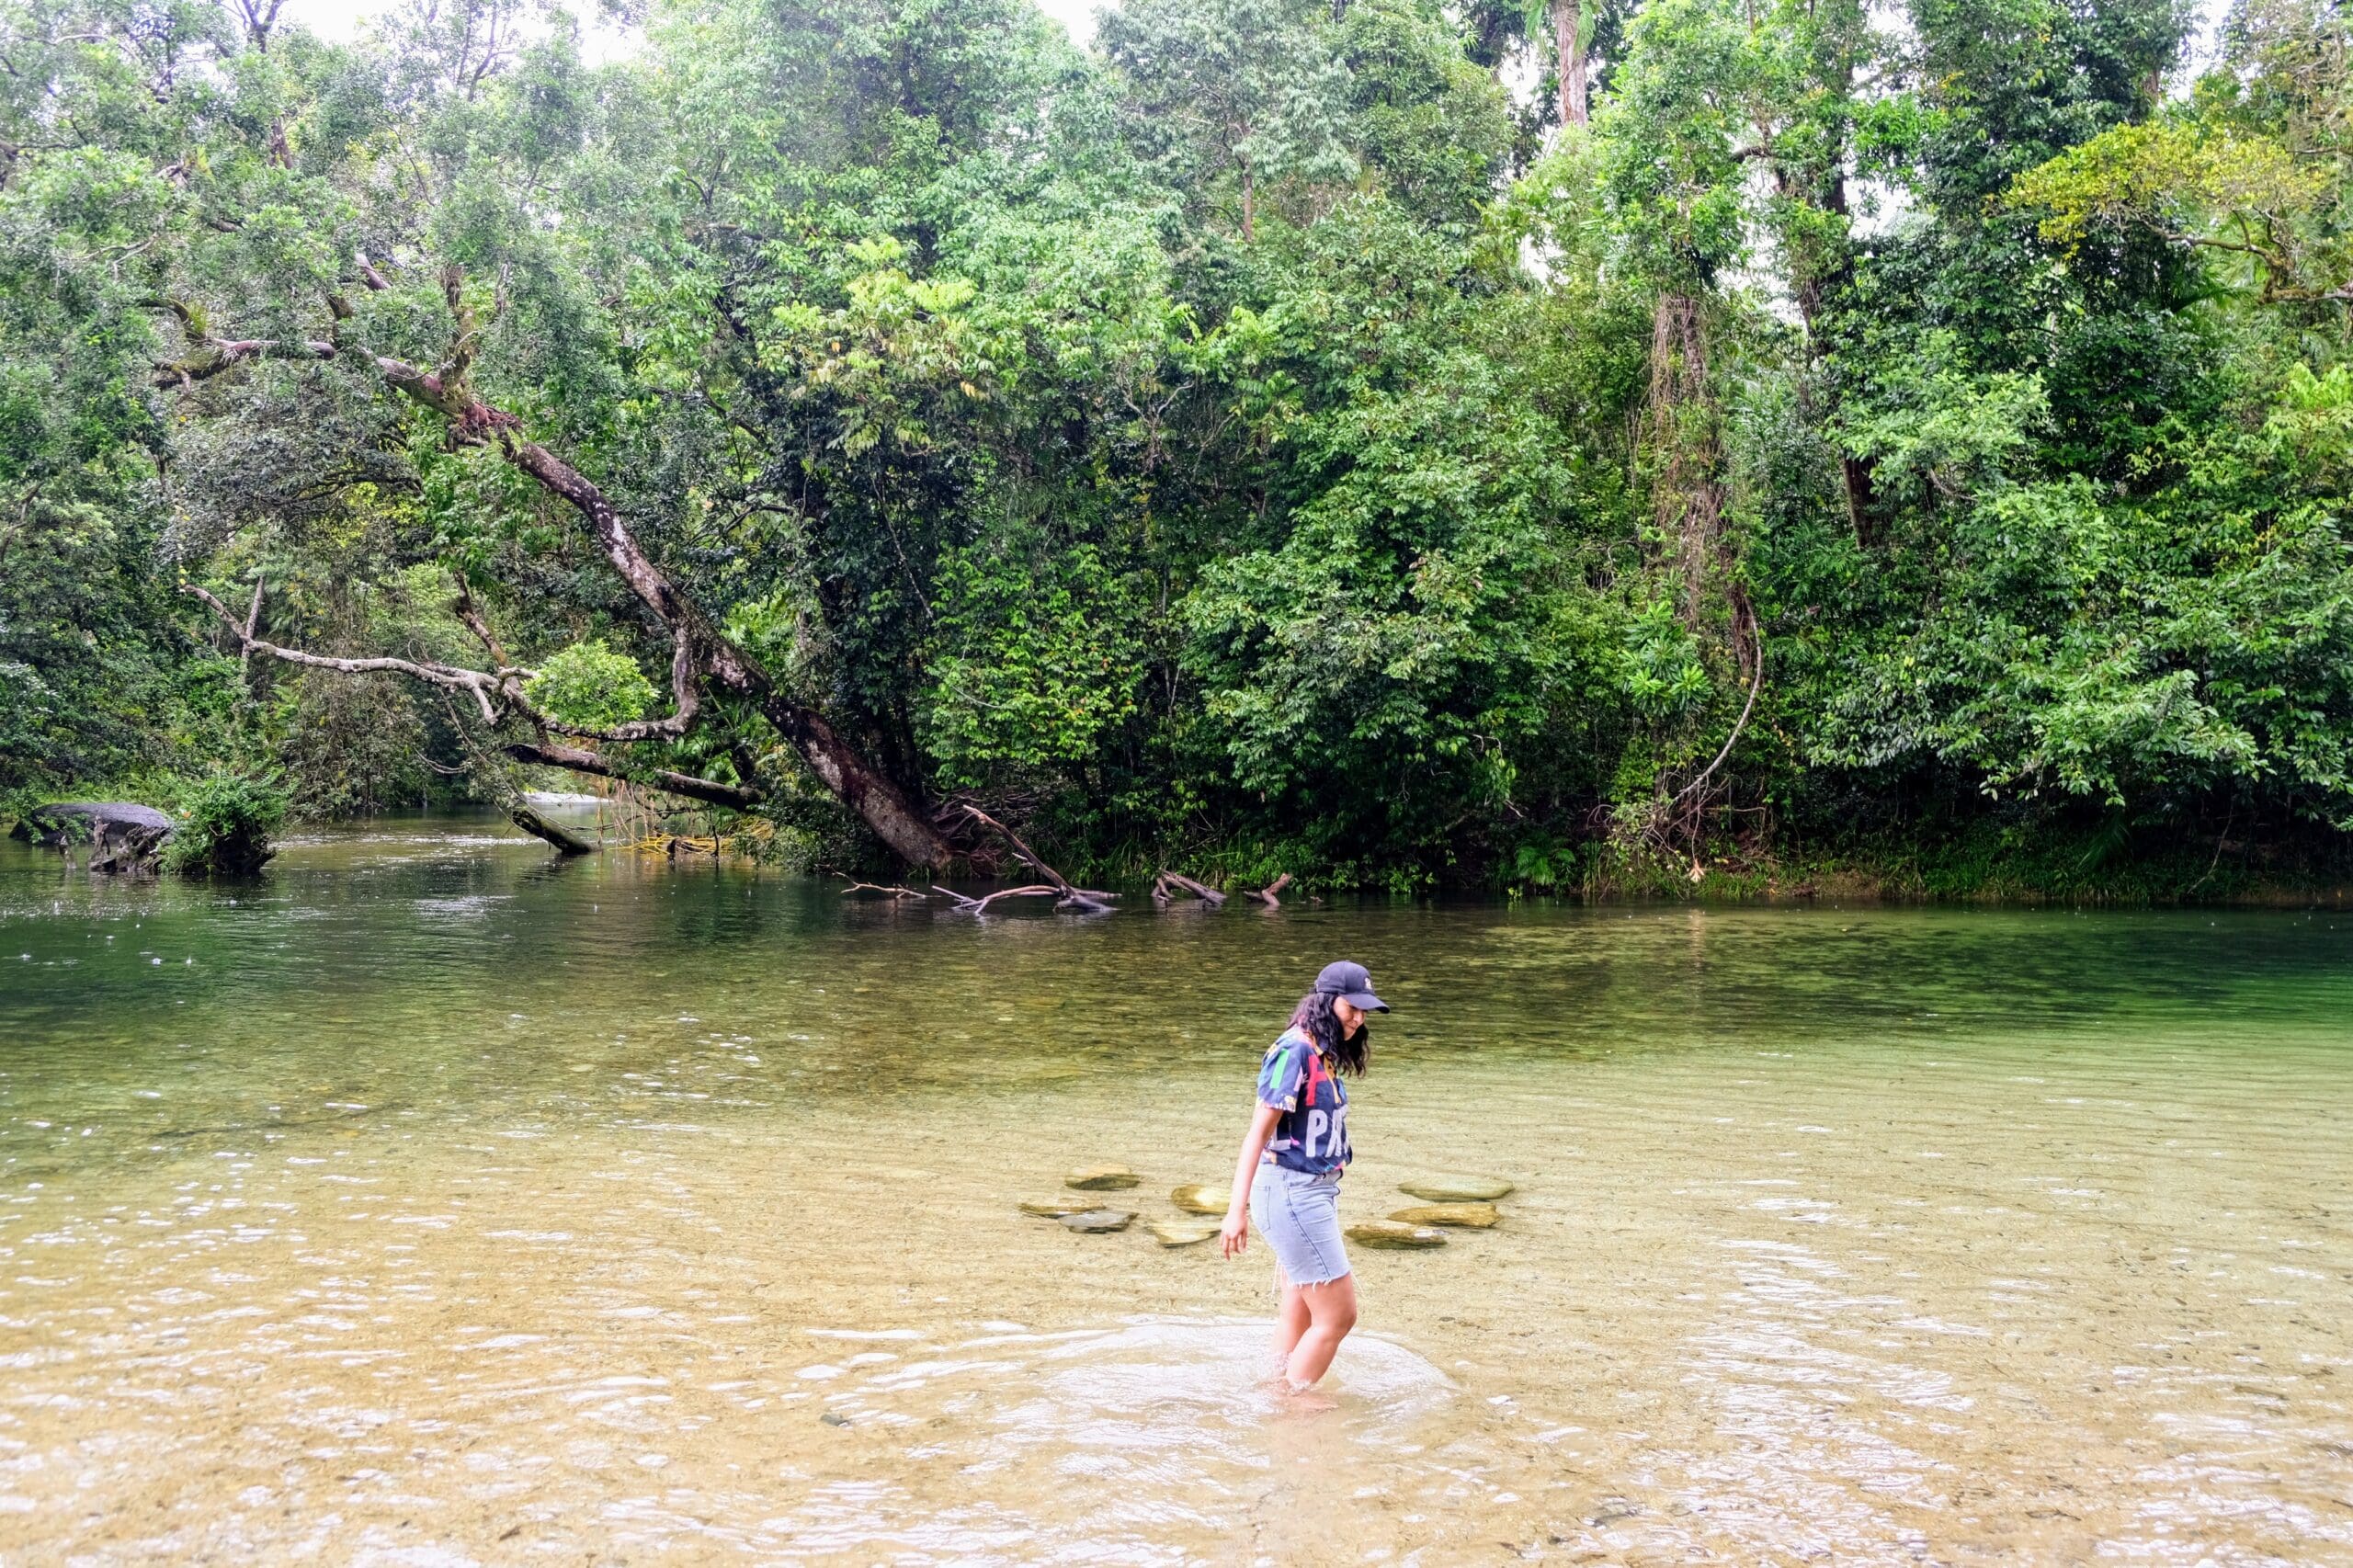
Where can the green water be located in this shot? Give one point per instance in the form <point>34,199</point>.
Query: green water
<point>432,1200</point>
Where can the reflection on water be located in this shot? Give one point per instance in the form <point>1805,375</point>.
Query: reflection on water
<point>432,1201</point>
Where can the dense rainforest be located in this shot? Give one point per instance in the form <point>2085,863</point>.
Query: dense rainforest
<point>1620,443</point>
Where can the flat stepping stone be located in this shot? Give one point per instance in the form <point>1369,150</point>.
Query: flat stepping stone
<point>1095,1222</point>
<point>1468,1216</point>
<point>1456,1189</point>
<point>1182,1233</point>
<point>1101,1178</point>
<point>1197,1199</point>
<point>1055,1208</point>
<point>1391,1236</point>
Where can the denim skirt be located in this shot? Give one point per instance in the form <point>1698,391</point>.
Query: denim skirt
<point>1300,1216</point>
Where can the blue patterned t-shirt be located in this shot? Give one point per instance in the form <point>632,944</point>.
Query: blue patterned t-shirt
<point>1311,1134</point>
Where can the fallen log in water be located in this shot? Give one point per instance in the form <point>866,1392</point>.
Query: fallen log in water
<point>965,905</point>
<point>1266,895</point>
<point>887,891</point>
<point>1091,899</point>
<point>1167,883</point>
<point>566,842</point>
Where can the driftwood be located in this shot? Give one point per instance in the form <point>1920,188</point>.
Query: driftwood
<point>1266,895</point>
<point>978,905</point>
<point>890,892</point>
<point>1089,899</point>
<point>566,842</point>
<point>1167,884</point>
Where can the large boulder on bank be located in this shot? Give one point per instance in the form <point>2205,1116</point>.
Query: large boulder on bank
<point>78,822</point>
<point>124,836</point>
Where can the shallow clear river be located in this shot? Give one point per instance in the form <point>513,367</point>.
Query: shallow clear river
<point>430,1202</point>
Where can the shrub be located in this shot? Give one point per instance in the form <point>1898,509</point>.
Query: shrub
<point>229,818</point>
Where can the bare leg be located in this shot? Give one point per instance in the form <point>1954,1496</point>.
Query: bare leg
<point>1332,1311</point>
<point>1291,1321</point>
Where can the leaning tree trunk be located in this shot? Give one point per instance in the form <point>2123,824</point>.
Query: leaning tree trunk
<point>525,816</point>
<point>835,761</point>
<point>703,653</point>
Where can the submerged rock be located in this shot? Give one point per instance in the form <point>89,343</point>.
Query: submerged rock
<point>1101,1178</point>
<point>1391,1235</point>
<point>1182,1233</point>
<point>1469,1216</point>
<point>1456,1189</point>
<point>1055,1208</point>
<point>1197,1199</point>
<point>1093,1222</point>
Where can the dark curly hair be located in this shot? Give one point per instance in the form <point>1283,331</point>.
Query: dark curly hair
<point>1348,1053</point>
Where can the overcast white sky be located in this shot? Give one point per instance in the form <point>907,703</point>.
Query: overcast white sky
<point>341,18</point>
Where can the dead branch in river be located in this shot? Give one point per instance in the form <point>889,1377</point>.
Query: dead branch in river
<point>1167,883</point>
<point>1083,898</point>
<point>1268,895</point>
<point>965,905</point>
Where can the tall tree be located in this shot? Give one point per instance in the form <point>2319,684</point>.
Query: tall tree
<point>1247,89</point>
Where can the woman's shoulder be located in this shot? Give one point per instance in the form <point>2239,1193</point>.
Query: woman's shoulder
<point>1291,1039</point>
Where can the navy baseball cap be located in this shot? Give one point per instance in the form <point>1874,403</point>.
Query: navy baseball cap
<point>1351,984</point>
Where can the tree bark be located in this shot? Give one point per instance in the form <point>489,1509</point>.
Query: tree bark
<point>1689,502</point>
<point>566,842</point>
<point>1860,498</point>
<point>245,654</point>
<point>1568,50</point>
<point>708,790</point>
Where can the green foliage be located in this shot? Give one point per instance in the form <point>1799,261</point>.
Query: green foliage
<point>591,685</point>
<point>226,822</point>
<point>1037,660</point>
<point>1232,95</point>
<point>1239,448</point>
<point>351,745</point>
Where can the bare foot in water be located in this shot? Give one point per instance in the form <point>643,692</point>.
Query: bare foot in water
<point>1305,1400</point>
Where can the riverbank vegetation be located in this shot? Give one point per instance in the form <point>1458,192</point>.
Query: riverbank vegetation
<point>1622,445</point>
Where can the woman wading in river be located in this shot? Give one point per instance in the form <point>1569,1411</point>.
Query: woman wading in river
<point>1290,1166</point>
